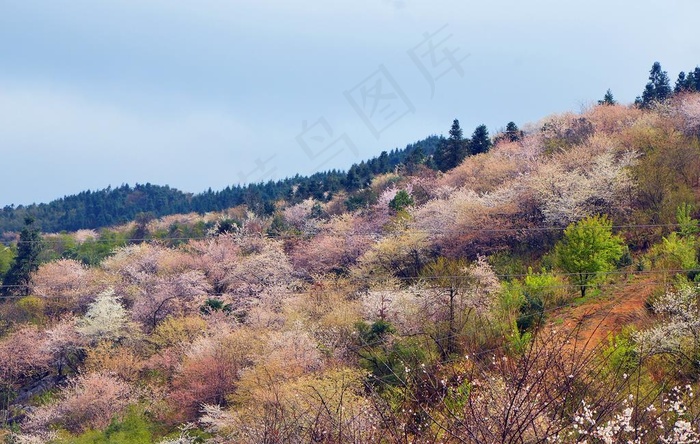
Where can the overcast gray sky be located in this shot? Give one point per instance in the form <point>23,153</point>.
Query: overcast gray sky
<point>208,93</point>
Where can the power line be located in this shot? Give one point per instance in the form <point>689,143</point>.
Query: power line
<point>507,276</point>
<point>463,230</point>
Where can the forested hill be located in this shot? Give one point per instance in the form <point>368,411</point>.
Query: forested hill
<point>111,206</point>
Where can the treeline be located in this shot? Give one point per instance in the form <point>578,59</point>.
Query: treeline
<point>112,206</point>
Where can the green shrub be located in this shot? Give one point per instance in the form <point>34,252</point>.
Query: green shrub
<point>133,428</point>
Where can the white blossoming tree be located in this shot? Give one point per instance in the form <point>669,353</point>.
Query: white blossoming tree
<point>106,319</point>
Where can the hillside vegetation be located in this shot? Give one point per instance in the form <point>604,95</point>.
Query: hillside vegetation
<point>111,206</point>
<point>438,301</point>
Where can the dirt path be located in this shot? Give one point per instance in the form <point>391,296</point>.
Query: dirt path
<point>593,320</point>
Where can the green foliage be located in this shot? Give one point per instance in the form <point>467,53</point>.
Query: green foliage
<point>389,360</point>
<point>451,151</point>
<point>375,333</point>
<point>658,89</point>
<point>92,251</point>
<point>17,278</point>
<point>30,309</point>
<point>689,82</point>
<point>480,141</point>
<point>608,99</point>
<point>415,158</point>
<point>665,176</point>
<point>361,199</point>
<point>401,201</point>
<point>518,340</point>
<point>134,428</point>
<point>588,249</point>
<point>507,265</point>
<point>513,133</point>
<point>621,356</point>
<point>511,298</point>
<point>179,233</point>
<point>544,286</point>
<point>212,305</point>
<point>687,226</point>
<point>278,226</point>
<point>676,254</point>
<point>141,233</point>
<point>540,291</point>
<point>7,256</point>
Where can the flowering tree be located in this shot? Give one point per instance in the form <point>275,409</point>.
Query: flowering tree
<point>264,266</point>
<point>22,356</point>
<point>162,296</point>
<point>569,193</point>
<point>454,293</point>
<point>301,216</point>
<point>679,332</point>
<point>339,243</point>
<point>65,345</point>
<point>690,112</point>
<point>327,408</point>
<point>106,319</point>
<point>210,372</point>
<point>89,401</point>
<point>65,285</point>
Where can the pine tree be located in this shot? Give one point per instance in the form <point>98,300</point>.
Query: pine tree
<point>513,133</point>
<point>681,83</point>
<point>415,157</point>
<point>480,142</point>
<point>689,82</point>
<point>658,89</point>
<point>26,262</point>
<point>608,99</point>
<point>353,181</point>
<point>451,151</point>
<point>694,79</point>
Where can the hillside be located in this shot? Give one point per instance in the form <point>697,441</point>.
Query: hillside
<point>537,286</point>
<point>111,206</point>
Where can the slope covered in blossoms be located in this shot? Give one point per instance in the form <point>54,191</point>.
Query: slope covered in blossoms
<point>424,307</point>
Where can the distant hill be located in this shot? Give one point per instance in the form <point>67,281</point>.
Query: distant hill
<point>111,206</point>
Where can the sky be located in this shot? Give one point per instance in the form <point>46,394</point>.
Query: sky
<point>199,94</point>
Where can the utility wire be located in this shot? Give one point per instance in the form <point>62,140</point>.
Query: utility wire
<point>463,230</point>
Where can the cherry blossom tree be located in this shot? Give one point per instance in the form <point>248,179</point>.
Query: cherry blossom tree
<point>106,319</point>
<point>90,401</point>
<point>210,371</point>
<point>64,285</point>
<point>163,296</point>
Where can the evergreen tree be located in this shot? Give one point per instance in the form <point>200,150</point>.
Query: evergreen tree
<point>480,142</point>
<point>353,181</point>
<point>658,89</point>
<point>26,262</point>
<point>681,83</point>
<point>608,99</point>
<point>441,158</point>
<point>383,163</point>
<point>694,80</point>
<point>689,82</point>
<point>451,151</point>
<point>415,157</point>
<point>401,201</point>
<point>513,133</point>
